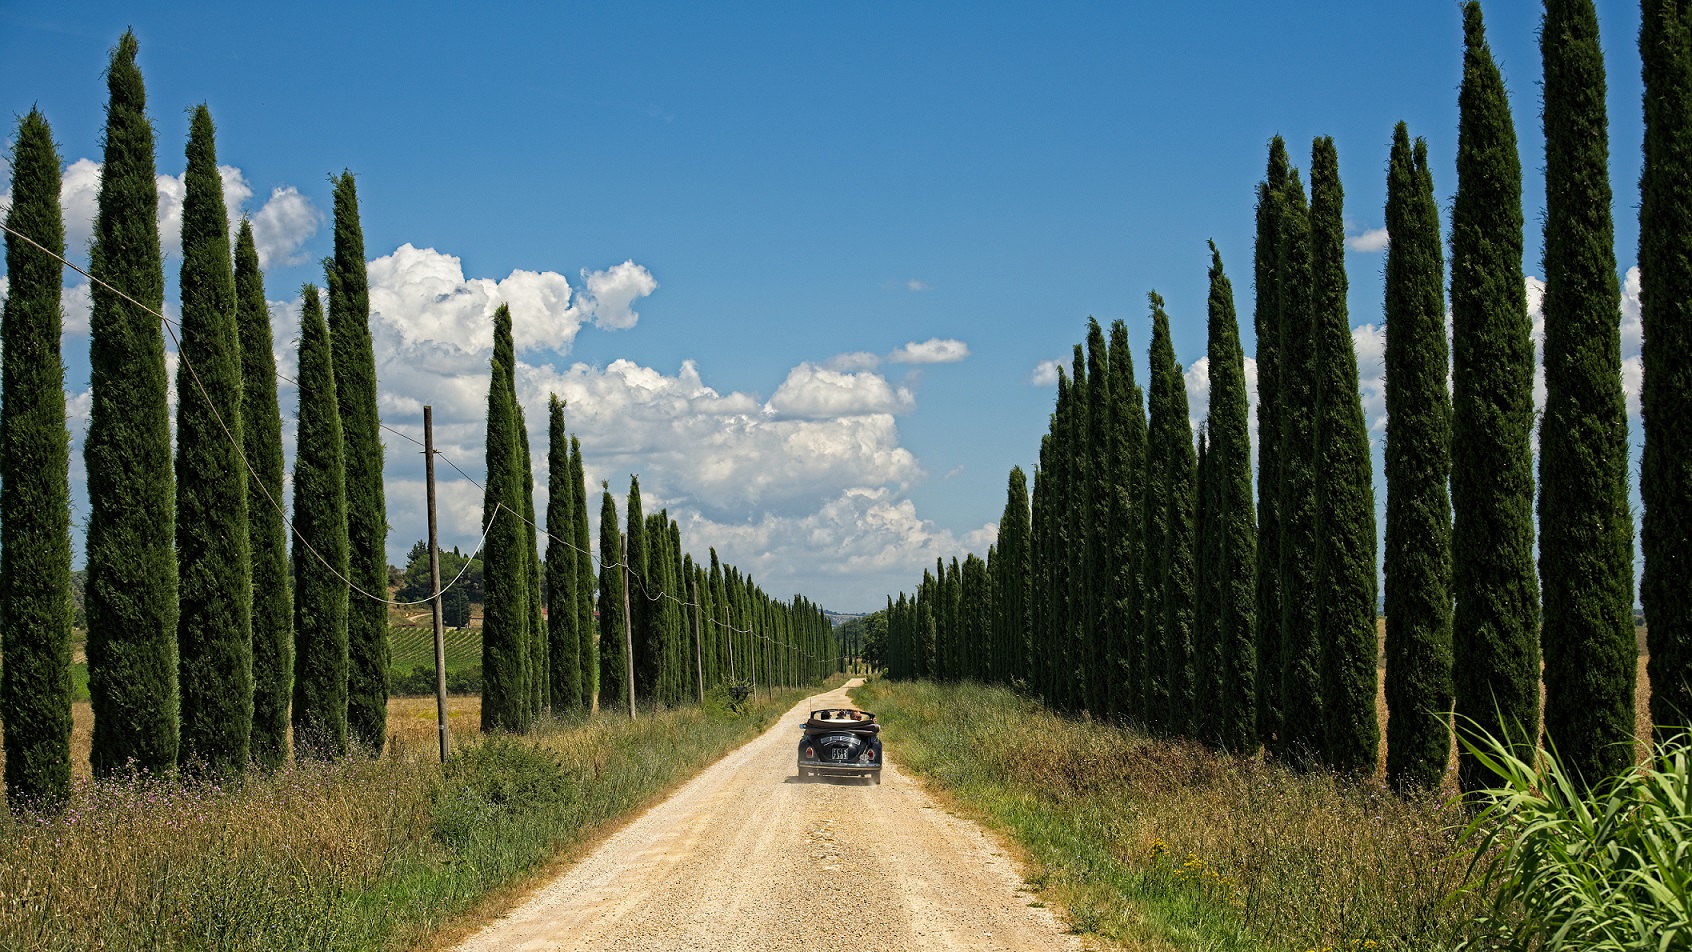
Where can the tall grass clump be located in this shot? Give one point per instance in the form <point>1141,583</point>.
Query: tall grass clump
<point>1566,870</point>
<point>1166,844</point>
<point>361,853</point>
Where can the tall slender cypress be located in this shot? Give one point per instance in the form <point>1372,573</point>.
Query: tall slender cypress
<point>214,629</point>
<point>1207,655</point>
<point>261,432</point>
<point>1665,300</point>
<point>562,605</point>
<point>320,549</point>
<point>35,548</point>
<point>613,678</point>
<point>1495,626</point>
<point>1266,319</point>
<point>131,594</point>
<point>1301,652</point>
<point>367,513</point>
<point>1234,521</point>
<point>1585,526</point>
<point>1418,466</point>
<point>1345,494</point>
<point>540,671</point>
<point>641,587</point>
<point>1012,586</point>
<point>505,611</point>
<point>1100,462</point>
<point>586,634</point>
<point>1172,487</point>
<point>1124,490</point>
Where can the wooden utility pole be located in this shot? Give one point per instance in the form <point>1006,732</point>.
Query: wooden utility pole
<point>628,633</point>
<point>435,580</point>
<point>728,638</point>
<point>698,644</point>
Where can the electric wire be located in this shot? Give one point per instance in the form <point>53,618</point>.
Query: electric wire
<point>172,326</point>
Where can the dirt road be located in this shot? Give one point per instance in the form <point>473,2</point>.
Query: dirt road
<point>748,856</point>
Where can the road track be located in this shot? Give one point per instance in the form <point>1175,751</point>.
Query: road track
<point>749,856</point>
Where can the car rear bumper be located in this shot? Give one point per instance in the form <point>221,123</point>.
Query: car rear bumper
<point>840,769</point>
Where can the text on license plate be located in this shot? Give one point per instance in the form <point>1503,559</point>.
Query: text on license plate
<point>839,753</point>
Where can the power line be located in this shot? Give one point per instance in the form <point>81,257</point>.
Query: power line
<point>172,326</point>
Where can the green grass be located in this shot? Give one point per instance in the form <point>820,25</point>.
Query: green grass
<point>359,854</point>
<point>410,647</point>
<point>1159,844</point>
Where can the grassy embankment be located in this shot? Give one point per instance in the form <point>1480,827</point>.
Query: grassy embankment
<point>361,854</point>
<point>1159,844</point>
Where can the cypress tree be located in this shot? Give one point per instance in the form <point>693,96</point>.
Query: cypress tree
<point>1495,625</point>
<point>562,605</point>
<point>1207,657</point>
<point>1171,489</point>
<point>540,670</point>
<point>1266,319</point>
<point>681,632</point>
<point>1234,524</point>
<point>1345,495</point>
<point>1585,526</point>
<point>35,548</point>
<point>1098,452</point>
<point>367,513</point>
<point>613,686</point>
<point>131,590</point>
<point>1125,490</point>
<point>1011,587</point>
<point>505,609</point>
<point>1418,465</point>
<point>586,635</point>
<point>214,628</point>
<point>320,549</point>
<point>1301,652</point>
<point>1665,299</point>
<point>641,587</point>
<point>261,432</point>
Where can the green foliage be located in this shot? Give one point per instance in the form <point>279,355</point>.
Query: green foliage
<point>562,609</point>
<point>1302,711</point>
<point>367,513</point>
<point>35,548</point>
<point>131,557</point>
<point>1418,466</point>
<point>1665,299</point>
<point>586,625</point>
<point>416,583</point>
<point>613,658</point>
<point>1495,628</point>
<point>1012,572</point>
<point>320,549</point>
<point>505,612</point>
<point>1124,489</point>
<point>1171,494</point>
<point>1266,318</point>
<point>1585,526</point>
<point>1233,521</point>
<point>539,680</point>
<point>214,628</point>
<point>1345,494</point>
<point>1572,864</point>
<point>641,628</point>
<point>272,584</point>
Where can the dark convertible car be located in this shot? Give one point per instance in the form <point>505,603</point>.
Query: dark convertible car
<point>841,742</point>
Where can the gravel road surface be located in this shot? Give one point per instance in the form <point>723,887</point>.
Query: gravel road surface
<point>748,856</point>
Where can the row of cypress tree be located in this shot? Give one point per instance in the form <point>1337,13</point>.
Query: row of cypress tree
<point>190,641</point>
<point>691,627</point>
<point>1139,583</point>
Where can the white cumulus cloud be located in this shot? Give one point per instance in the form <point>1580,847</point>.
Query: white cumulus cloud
<point>1369,240</point>
<point>1046,373</point>
<point>812,392</point>
<point>935,350</point>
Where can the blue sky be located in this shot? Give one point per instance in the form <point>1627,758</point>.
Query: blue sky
<point>796,265</point>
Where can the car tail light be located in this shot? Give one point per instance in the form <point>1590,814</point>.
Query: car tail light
<point>869,755</point>
<point>810,753</point>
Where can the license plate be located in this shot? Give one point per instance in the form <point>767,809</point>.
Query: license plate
<point>839,753</point>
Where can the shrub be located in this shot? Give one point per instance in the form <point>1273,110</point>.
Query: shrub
<point>1612,870</point>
